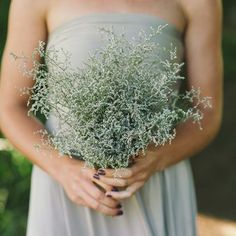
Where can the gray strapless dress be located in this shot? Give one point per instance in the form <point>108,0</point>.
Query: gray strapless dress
<point>164,206</point>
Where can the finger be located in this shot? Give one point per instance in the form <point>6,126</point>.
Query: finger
<point>116,182</point>
<point>123,173</point>
<point>127,193</point>
<point>98,206</point>
<point>75,196</point>
<point>98,195</point>
<point>86,171</point>
<point>105,187</point>
<point>94,177</point>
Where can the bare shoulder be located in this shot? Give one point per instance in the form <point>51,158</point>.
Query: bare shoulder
<point>26,25</point>
<point>34,8</point>
<point>204,22</point>
<point>202,10</point>
<point>26,15</point>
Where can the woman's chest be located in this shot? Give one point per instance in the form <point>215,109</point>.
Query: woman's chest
<point>65,10</point>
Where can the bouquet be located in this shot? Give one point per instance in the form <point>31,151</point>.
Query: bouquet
<point>126,96</point>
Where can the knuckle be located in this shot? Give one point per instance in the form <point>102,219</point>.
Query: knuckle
<point>120,182</point>
<point>98,196</point>
<point>143,175</point>
<point>123,182</point>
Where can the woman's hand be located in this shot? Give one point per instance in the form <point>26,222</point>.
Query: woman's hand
<point>130,179</point>
<point>82,189</point>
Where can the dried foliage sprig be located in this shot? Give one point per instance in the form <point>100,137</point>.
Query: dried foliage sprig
<point>124,97</point>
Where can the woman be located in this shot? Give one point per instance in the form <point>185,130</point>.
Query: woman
<point>158,195</point>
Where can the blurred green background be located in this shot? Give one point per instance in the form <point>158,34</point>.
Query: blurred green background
<point>214,168</point>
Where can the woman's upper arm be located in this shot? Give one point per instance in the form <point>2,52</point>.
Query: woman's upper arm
<point>26,27</point>
<point>203,52</point>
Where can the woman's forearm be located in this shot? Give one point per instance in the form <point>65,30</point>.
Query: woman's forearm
<point>20,130</point>
<point>188,142</point>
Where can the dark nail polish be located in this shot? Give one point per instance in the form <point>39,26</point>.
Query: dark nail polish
<point>101,172</point>
<point>108,195</point>
<point>118,206</point>
<point>96,176</point>
<point>114,189</point>
<point>119,213</point>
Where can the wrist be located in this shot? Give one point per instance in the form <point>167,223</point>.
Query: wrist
<point>56,165</point>
<point>158,156</point>
<point>62,166</point>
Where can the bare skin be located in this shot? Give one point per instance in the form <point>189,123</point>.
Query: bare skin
<point>201,23</point>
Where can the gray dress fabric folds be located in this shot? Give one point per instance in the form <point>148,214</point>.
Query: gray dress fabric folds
<point>164,206</point>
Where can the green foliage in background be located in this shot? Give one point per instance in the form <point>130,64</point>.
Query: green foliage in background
<point>14,192</point>
<point>229,50</point>
<point>4,5</point>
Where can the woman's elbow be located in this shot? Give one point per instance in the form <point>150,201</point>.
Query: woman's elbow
<point>213,122</point>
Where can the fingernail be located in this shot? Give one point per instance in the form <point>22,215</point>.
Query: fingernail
<point>119,213</point>
<point>119,206</point>
<point>108,195</point>
<point>114,189</point>
<point>101,172</point>
<point>96,176</point>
